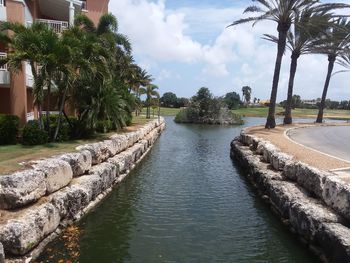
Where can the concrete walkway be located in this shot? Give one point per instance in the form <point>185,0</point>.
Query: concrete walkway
<point>302,153</point>
<point>332,140</point>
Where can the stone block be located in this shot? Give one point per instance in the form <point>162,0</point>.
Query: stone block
<point>99,151</point>
<point>58,173</point>
<point>336,194</point>
<point>2,254</point>
<point>21,235</point>
<point>80,162</point>
<point>21,188</point>
<point>279,160</point>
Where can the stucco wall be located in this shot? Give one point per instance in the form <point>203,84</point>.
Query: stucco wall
<point>5,106</point>
<point>18,93</point>
<point>96,8</point>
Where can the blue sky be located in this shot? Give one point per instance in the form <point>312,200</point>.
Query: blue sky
<point>185,45</point>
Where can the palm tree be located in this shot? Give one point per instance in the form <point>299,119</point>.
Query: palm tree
<point>247,92</point>
<point>99,94</point>
<point>301,39</point>
<point>334,44</point>
<point>29,44</point>
<point>150,92</point>
<point>283,12</point>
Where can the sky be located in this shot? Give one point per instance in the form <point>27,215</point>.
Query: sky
<point>185,45</point>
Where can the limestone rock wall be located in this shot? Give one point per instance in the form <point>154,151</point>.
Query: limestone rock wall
<point>58,190</point>
<point>314,203</point>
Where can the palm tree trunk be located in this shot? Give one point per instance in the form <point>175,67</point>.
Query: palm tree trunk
<point>293,68</point>
<point>282,36</point>
<point>331,60</point>
<point>63,101</point>
<point>148,111</point>
<point>48,105</point>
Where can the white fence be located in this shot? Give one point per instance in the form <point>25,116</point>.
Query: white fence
<point>56,25</point>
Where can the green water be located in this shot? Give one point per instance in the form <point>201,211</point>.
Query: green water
<point>185,202</point>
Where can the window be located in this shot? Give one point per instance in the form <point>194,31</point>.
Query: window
<point>83,5</point>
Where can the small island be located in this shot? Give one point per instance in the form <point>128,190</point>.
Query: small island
<point>204,108</point>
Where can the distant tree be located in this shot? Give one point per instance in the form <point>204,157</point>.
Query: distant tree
<point>203,99</point>
<point>182,102</point>
<point>151,92</point>
<point>344,105</point>
<point>247,93</point>
<point>232,100</point>
<point>295,102</point>
<point>169,99</point>
<point>333,105</point>
<point>255,100</point>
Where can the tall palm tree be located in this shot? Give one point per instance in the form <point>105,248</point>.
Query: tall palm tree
<point>29,44</point>
<point>334,44</point>
<point>247,92</point>
<point>99,94</point>
<point>301,39</point>
<point>150,91</point>
<point>283,12</point>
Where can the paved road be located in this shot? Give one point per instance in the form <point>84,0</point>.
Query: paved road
<point>332,140</point>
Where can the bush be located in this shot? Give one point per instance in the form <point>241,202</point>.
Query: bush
<point>188,115</point>
<point>9,126</point>
<point>128,120</point>
<point>66,132</point>
<point>33,135</point>
<point>104,126</point>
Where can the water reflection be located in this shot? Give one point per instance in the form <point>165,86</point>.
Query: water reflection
<point>187,202</point>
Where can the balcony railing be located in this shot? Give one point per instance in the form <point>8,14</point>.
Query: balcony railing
<point>2,2</point>
<point>2,56</point>
<point>56,25</point>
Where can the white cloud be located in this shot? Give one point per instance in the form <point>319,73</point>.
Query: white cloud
<point>227,57</point>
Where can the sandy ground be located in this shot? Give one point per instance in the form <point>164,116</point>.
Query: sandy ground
<point>312,157</point>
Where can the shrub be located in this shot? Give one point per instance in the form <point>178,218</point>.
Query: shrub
<point>104,126</point>
<point>66,132</point>
<point>9,126</point>
<point>188,115</point>
<point>33,135</point>
<point>128,120</point>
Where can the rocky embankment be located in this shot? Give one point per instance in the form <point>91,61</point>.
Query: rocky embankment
<point>315,204</point>
<point>37,204</point>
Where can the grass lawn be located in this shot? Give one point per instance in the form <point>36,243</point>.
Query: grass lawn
<point>168,111</point>
<point>302,113</point>
<point>12,155</point>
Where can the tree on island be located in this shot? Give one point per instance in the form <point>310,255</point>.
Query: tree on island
<point>232,100</point>
<point>205,108</point>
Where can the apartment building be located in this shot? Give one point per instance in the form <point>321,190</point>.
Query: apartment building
<point>16,88</point>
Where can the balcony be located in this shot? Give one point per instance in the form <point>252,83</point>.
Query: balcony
<point>56,25</point>
<point>4,73</point>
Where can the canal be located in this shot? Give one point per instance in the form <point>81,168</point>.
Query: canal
<point>185,202</point>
